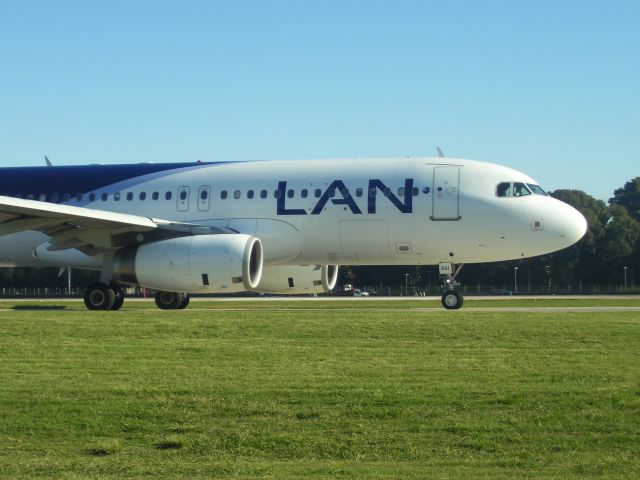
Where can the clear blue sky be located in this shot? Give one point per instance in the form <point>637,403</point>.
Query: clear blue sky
<point>547,87</point>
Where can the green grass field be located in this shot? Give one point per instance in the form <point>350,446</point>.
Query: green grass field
<point>285,389</point>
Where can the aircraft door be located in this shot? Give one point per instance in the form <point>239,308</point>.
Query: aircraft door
<point>183,199</point>
<point>204,195</point>
<point>446,200</point>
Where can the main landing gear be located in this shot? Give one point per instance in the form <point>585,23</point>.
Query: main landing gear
<point>451,299</point>
<point>101,296</point>
<point>172,300</point>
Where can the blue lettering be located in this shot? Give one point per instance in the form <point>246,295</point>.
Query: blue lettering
<point>404,207</point>
<point>336,186</point>
<point>282,195</point>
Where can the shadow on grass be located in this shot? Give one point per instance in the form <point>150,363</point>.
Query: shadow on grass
<point>38,307</point>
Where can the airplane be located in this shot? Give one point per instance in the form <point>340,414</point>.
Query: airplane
<point>280,227</point>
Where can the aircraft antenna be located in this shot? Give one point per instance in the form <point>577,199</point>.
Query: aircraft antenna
<point>440,154</point>
<point>46,159</point>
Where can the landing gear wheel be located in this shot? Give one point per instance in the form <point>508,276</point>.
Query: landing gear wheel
<point>185,301</point>
<point>169,300</point>
<point>452,300</point>
<point>119,297</point>
<point>99,296</point>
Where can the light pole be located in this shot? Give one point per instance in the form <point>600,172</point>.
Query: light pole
<point>625,278</point>
<point>515,279</point>
<point>547,268</point>
<point>406,284</point>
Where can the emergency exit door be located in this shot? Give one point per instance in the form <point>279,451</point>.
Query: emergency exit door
<point>446,190</point>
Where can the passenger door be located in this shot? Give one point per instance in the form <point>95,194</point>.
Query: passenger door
<point>446,193</point>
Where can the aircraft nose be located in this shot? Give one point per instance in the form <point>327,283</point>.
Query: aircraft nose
<point>571,224</point>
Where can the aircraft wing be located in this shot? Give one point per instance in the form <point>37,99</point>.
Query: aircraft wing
<point>88,230</point>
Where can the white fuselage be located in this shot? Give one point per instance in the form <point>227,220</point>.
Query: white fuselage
<point>393,211</point>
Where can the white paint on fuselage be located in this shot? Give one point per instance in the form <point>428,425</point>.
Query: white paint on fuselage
<point>489,228</point>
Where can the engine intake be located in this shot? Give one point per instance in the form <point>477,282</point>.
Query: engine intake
<point>196,264</point>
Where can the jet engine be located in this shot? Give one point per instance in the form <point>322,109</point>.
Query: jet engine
<point>196,264</point>
<point>297,279</point>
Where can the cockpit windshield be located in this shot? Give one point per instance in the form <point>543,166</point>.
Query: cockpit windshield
<point>537,189</point>
<point>513,189</point>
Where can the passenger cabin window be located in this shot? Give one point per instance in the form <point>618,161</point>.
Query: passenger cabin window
<point>304,192</point>
<point>130,196</point>
<point>92,197</point>
<point>236,194</point>
<point>223,194</point>
<point>263,194</point>
<point>104,197</point>
<point>155,195</point>
<point>204,194</point>
<point>143,196</point>
<point>359,192</point>
<point>168,195</point>
<point>249,194</point>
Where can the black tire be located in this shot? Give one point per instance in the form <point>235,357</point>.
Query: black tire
<point>119,297</point>
<point>99,296</point>
<point>185,301</point>
<point>168,300</point>
<point>452,300</point>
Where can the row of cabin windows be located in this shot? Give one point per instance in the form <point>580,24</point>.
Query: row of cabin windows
<point>204,195</point>
<point>304,193</point>
<point>92,197</point>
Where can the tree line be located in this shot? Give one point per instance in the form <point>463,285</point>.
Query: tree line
<point>595,263</point>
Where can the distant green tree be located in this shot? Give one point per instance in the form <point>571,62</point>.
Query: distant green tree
<point>582,262</point>
<point>628,197</point>
<point>622,234</point>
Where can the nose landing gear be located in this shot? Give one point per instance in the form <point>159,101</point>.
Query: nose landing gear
<point>451,298</point>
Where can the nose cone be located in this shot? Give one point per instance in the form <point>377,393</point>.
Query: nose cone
<point>577,227</point>
<point>568,224</point>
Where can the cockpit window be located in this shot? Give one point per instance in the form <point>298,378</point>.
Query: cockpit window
<point>537,189</point>
<point>504,189</point>
<point>520,190</point>
<point>512,189</point>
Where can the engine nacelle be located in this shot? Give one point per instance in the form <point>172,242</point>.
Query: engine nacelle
<point>299,279</point>
<point>197,264</point>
